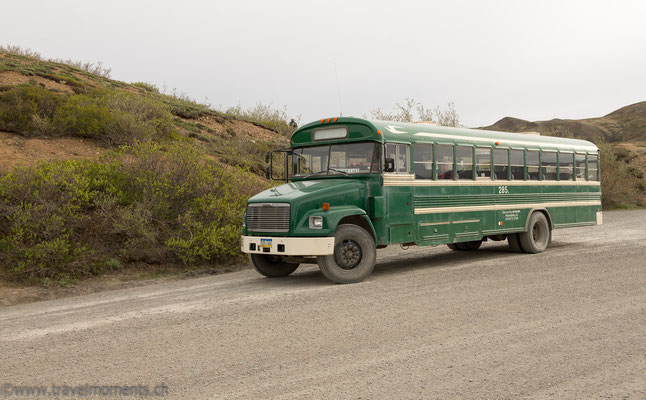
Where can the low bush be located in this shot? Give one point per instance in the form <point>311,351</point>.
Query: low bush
<point>265,115</point>
<point>110,116</point>
<point>621,184</point>
<point>143,203</point>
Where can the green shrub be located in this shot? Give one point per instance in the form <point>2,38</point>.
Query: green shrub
<point>621,184</point>
<point>151,203</point>
<point>148,87</point>
<point>265,115</point>
<point>110,116</point>
<point>114,117</point>
<point>21,106</point>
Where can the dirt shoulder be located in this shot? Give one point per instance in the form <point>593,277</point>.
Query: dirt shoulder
<point>12,293</point>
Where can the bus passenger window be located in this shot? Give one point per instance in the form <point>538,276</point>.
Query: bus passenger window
<point>532,165</point>
<point>501,163</point>
<point>566,166</point>
<point>593,167</point>
<point>423,160</point>
<point>399,153</point>
<point>579,162</point>
<point>548,164</point>
<point>517,165</point>
<point>483,163</point>
<point>464,162</point>
<point>444,154</point>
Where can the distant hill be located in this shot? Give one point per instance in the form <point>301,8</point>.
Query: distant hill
<point>621,137</point>
<point>627,124</point>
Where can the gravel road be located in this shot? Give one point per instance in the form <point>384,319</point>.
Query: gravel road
<point>429,323</point>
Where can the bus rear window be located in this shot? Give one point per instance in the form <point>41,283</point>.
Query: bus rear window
<point>593,167</point>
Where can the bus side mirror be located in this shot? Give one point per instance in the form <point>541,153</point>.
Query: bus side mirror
<point>390,165</point>
<point>268,172</point>
<point>267,156</point>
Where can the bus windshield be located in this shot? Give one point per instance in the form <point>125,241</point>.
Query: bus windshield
<point>336,159</point>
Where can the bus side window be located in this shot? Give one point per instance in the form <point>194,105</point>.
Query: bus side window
<point>423,160</point>
<point>464,162</point>
<point>532,165</point>
<point>483,163</point>
<point>517,165</point>
<point>548,164</point>
<point>579,164</point>
<point>501,164</point>
<point>566,166</point>
<point>444,161</point>
<point>593,167</point>
<point>399,153</point>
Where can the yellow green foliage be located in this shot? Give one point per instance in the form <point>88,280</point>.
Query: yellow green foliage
<point>144,202</point>
<point>110,116</point>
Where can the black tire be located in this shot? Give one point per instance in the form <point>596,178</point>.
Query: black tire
<point>514,243</point>
<point>271,266</point>
<point>461,246</point>
<point>538,234</point>
<point>453,246</point>
<point>473,245</point>
<point>354,256</point>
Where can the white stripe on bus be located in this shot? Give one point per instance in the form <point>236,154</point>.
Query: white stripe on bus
<point>409,180</point>
<point>437,210</point>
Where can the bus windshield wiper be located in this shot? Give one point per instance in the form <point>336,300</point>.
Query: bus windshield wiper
<point>326,171</point>
<point>338,170</point>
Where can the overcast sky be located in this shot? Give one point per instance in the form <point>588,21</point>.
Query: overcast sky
<point>532,60</point>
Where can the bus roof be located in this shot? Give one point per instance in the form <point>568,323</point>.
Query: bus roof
<point>403,132</point>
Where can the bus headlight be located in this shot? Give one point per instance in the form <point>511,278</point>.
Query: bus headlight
<point>316,222</point>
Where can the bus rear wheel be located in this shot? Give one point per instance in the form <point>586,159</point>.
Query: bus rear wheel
<point>538,234</point>
<point>272,266</point>
<point>354,256</point>
<point>514,243</point>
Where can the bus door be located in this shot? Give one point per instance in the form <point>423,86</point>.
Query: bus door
<point>399,199</point>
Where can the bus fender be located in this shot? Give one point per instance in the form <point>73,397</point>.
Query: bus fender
<point>544,211</point>
<point>349,215</point>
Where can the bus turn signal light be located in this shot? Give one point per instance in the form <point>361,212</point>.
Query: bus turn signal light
<point>326,206</point>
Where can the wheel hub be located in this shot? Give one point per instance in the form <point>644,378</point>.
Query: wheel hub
<point>347,254</point>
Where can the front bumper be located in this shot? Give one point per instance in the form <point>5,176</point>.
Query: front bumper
<point>287,246</point>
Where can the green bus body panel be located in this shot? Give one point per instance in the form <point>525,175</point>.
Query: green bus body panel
<point>430,212</point>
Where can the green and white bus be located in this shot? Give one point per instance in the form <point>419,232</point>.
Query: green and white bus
<point>354,185</point>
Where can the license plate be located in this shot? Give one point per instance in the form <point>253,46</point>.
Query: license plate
<point>265,243</point>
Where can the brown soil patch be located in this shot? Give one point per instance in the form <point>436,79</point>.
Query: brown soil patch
<point>222,125</point>
<point>16,150</point>
<point>13,78</point>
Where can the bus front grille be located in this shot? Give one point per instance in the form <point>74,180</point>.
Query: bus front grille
<point>268,217</point>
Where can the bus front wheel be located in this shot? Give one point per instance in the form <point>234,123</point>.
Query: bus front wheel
<point>354,256</point>
<point>538,234</point>
<point>271,266</point>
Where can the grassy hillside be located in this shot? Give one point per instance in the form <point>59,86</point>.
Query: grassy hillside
<point>138,177</point>
<point>621,136</point>
<point>627,124</point>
